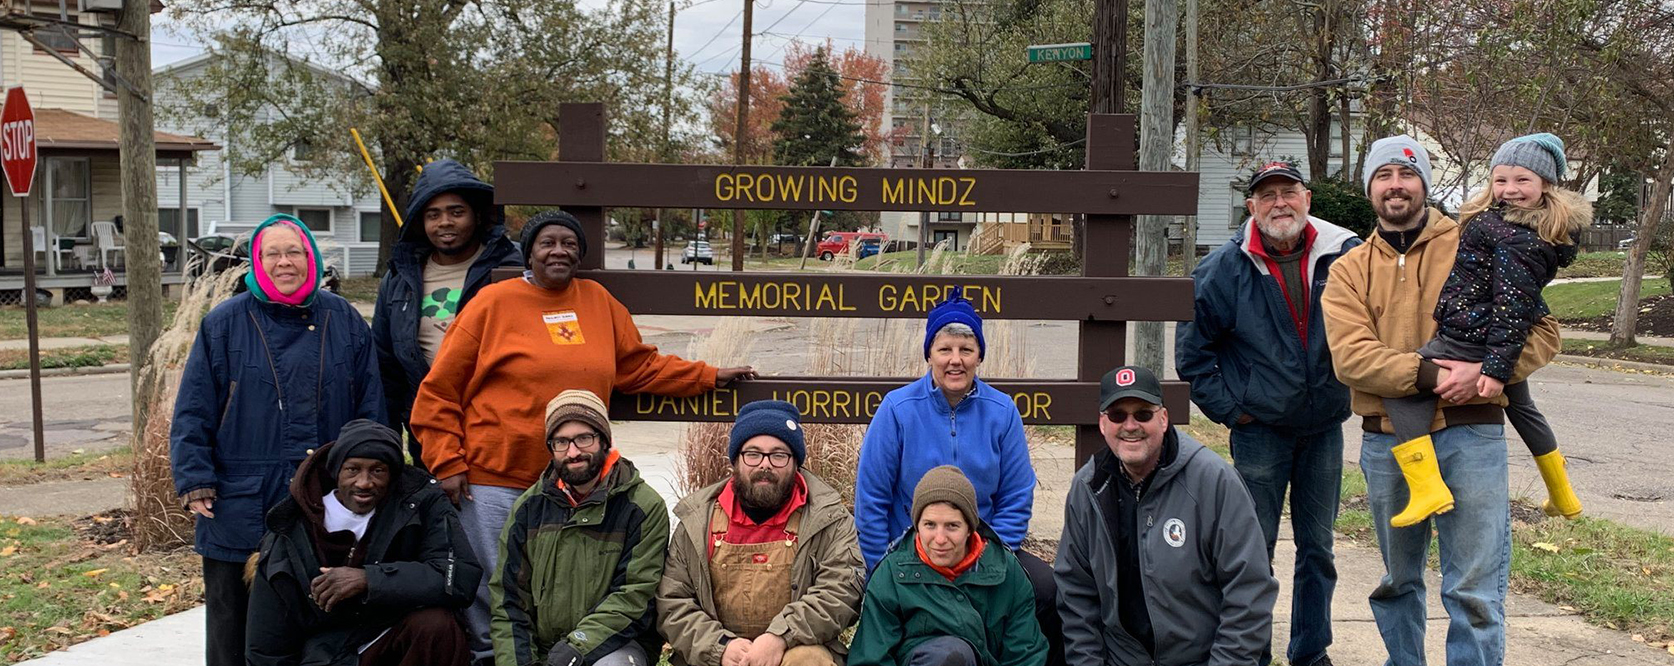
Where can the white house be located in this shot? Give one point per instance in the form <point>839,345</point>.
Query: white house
<point>343,214</point>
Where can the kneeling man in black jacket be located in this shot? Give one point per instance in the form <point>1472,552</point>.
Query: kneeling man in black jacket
<point>364,564</point>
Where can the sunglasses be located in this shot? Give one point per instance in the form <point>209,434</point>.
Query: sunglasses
<point>1119,417</point>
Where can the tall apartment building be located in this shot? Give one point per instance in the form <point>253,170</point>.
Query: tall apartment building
<point>894,31</point>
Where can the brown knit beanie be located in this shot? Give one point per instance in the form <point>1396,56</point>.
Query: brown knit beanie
<point>946,484</point>
<point>578,405</point>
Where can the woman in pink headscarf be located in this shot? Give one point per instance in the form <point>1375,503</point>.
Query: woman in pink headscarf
<point>275,372</point>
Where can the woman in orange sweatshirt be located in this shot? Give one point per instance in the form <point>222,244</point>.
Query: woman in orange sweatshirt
<point>479,414</point>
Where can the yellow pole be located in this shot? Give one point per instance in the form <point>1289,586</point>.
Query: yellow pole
<point>379,179</point>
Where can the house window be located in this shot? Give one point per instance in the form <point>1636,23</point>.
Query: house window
<point>317,219</point>
<point>69,188</point>
<point>51,35</point>
<point>371,226</point>
<point>952,238</point>
<point>946,216</point>
<point>1239,213</point>
<point>302,150</point>
<point>168,219</point>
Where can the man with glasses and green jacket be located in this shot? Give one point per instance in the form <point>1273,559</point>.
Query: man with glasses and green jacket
<point>581,554</point>
<point>765,566</point>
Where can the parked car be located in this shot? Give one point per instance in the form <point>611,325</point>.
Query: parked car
<point>837,242</point>
<point>1626,243</point>
<point>698,252</point>
<point>225,252</point>
<point>868,247</point>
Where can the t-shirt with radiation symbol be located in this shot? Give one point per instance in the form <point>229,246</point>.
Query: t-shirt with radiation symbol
<point>439,304</point>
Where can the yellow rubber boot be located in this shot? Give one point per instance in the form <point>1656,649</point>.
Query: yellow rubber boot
<point>1561,499</point>
<point>1427,494</point>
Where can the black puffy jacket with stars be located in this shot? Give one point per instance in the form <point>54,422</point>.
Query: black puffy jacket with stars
<point>1492,296</point>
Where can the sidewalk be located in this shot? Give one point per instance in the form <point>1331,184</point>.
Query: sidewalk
<point>1573,334</point>
<point>63,343</point>
<point>1538,634</point>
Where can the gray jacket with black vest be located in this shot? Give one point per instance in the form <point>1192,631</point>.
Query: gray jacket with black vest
<point>1208,586</point>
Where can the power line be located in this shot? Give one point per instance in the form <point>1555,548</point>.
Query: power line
<point>718,34</point>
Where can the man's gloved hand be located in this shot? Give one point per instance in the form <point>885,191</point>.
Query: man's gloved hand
<point>563,655</point>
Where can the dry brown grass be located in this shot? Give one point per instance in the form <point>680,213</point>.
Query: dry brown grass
<point>159,521</point>
<point>851,347</point>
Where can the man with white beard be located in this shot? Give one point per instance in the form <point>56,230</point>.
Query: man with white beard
<point>1256,357</point>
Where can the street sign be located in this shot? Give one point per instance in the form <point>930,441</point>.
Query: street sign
<point>17,142</point>
<point>1060,52</point>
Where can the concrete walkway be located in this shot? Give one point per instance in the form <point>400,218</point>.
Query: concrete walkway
<point>1538,634</point>
<point>1573,334</point>
<point>63,343</point>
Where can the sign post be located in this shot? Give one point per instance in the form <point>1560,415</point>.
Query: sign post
<point>17,159</point>
<point>1060,52</point>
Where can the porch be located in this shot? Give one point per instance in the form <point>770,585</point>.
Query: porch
<point>75,212</point>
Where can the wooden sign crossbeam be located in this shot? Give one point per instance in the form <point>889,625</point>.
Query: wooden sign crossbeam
<point>853,400</point>
<point>609,184</point>
<point>892,295</point>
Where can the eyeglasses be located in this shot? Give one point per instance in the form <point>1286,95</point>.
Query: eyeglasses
<point>584,442</point>
<point>1270,196</point>
<point>293,254</point>
<point>1119,417</point>
<point>776,458</point>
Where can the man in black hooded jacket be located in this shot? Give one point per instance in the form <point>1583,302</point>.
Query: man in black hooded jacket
<point>452,238</point>
<point>364,564</point>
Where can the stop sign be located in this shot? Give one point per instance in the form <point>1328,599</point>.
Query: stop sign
<point>17,142</point>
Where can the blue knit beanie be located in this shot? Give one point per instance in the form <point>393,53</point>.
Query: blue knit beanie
<point>954,310</point>
<point>1541,153</point>
<point>776,418</point>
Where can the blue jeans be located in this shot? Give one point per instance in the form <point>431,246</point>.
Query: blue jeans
<point>1269,460</point>
<point>1474,540</point>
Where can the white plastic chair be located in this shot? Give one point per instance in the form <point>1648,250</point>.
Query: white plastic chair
<point>106,241</point>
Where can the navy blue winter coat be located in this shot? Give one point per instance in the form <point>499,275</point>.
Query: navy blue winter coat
<point>264,385</point>
<point>395,322</point>
<point>1242,352</point>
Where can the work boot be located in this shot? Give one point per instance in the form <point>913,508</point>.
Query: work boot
<point>1427,494</point>
<point>1561,499</point>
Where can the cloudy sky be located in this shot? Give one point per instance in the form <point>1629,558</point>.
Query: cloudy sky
<point>707,33</point>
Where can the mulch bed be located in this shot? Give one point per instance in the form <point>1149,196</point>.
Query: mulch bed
<point>114,526</point>
<point>1656,318</point>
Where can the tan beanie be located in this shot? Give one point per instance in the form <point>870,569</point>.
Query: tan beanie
<point>946,484</point>
<point>578,405</point>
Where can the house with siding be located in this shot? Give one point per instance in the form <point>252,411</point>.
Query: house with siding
<point>342,213</point>
<point>77,197</point>
<point>1225,166</point>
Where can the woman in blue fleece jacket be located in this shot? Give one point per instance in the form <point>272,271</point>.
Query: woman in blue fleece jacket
<point>949,417</point>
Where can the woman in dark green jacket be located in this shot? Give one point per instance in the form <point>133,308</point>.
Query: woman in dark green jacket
<point>949,593</point>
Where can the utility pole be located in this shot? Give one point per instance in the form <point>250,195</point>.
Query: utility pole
<point>738,135</point>
<point>1156,142</point>
<point>1110,55</point>
<point>1194,144</point>
<point>139,201</point>
<point>658,225</point>
<point>925,161</point>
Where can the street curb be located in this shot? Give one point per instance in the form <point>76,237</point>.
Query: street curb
<point>113,369</point>
<point>1608,363</point>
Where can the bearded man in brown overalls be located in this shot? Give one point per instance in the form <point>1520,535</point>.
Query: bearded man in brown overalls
<point>764,568</point>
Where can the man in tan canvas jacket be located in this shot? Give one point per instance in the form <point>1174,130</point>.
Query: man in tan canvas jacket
<point>1379,303</point>
<point>764,568</point>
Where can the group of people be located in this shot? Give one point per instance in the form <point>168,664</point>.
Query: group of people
<point>443,487</point>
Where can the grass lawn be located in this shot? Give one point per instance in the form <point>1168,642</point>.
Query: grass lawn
<point>68,357</point>
<point>1586,300</point>
<point>362,289</point>
<point>65,582</point>
<point>72,321</point>
<point>1594,264</point>
<point>24,471</point>
<point>1640,353</point>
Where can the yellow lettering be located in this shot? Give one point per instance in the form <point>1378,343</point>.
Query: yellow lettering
<point>790,188</point>
<point>768,181</point>
<point>665,403</point>
<point>644,403</point>
<point>840,403</point>
<point>821,404</point>
<point>991,299</point>
<point>924,191</point>
<point>743,190</point>
<point>886,298</point>
<point>1043,401</point>
<point>706,299</point>
<point>723,193</point>
<point>872,400</point>
<point>842,300</point>
<point>946,189</point>
<point>965,197</point>
<point>749,298</point>
<point>850,187</point>
<point>793,291</point>
<point>893,193</point>
<point>726,288</point>
<point>825,297</point>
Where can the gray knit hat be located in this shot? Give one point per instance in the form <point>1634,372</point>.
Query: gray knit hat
<point>946,484</point>
<point>1399,149</point>
<point>1541,153</point>
<point>578,405</point>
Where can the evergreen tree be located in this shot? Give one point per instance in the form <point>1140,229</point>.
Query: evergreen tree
<point>815,125</point>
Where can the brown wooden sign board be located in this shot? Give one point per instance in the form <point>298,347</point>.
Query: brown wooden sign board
<point>855,400</point>
<point>892,295</point>
<point>605,184</point>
